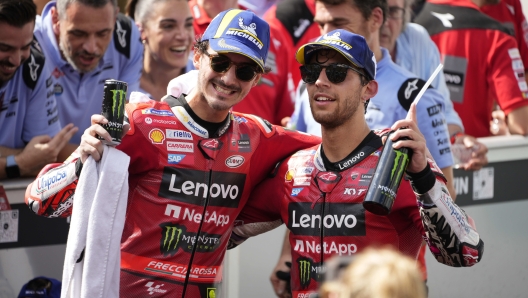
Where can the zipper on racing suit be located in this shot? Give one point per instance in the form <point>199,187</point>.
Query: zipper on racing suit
<point>195,244</point>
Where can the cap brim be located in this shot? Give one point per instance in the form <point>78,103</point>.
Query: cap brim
<point>307,50</point>
<point>227,45</point>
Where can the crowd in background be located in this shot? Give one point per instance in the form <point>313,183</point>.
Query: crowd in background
<point>52,70</point>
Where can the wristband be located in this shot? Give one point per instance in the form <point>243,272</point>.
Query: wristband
<point>12,170</point>
<point>455,136</point>
<point>423,181</point>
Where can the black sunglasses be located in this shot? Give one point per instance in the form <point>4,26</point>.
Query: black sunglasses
<point>222,63</point>
<point>335,72</point>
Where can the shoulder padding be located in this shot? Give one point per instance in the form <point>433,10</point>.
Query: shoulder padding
<point>123,35</point>
<point>33,66</point>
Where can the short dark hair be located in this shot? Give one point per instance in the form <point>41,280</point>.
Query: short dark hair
<point>62,5</point>
<point>364,6</point>
<point>17,13</point>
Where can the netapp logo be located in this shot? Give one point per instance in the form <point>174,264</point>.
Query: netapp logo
<point>191,186</point>
<point>338,220</point>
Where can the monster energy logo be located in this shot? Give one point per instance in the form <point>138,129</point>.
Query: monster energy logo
<point>117,105</point>
<point>305,269</point>
<point>397,168</point>
<point>170,237</point>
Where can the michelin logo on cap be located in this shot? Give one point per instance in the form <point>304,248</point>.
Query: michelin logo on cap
<point>334,39</point>
<point>247,32</point>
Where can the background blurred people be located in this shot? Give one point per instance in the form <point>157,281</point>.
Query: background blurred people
<point>377,273</point>
<point>166,30</point>
<point>30,134</point>
<point>88,42</point>
<point>481,64</point>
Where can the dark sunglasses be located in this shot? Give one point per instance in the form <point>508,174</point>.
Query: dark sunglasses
<point>222,63</point>
<point>335,72</point>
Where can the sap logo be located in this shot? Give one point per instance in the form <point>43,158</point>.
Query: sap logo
<point>296,191</point>
<point>175,158</point>
<point>433,110</point>
<point>192,186</point>
<point>437,122</point>
<point>234,161</point>
<point>353,192</point>
<point>339,219</point>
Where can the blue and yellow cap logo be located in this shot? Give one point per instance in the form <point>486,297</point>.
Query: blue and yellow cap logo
<point>239,31</point>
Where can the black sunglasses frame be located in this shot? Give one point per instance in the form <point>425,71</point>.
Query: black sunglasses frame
<point>334,72</point>
<point>239,69</point>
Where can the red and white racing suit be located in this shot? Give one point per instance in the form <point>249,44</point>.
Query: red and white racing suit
<point>321,205</point>
<point>185,190</point>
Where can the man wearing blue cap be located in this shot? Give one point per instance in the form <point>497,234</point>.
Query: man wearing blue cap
<point>193,164</point>
<point>318,192</point>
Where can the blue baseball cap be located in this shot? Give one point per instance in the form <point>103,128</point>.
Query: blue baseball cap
<point>352,46</point>
<point>54,291</point>
<point>239,31</point>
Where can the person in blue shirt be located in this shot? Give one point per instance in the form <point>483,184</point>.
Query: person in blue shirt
<point>87,43</point>
<point>411,47</point>
<point>30,130</point>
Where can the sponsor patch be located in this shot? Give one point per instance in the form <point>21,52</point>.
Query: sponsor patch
<point>162,113</point>
<point>514,53</point>
<point>303,171</point>
<point>178,134</point>
<point>302,181</point>
<point>175,158</point>
<point>180,146</point>
<point>156,136</point>
<point>234,161</point>
<point>288,177</point>
<point>295,192</point>
<point>191,186</point>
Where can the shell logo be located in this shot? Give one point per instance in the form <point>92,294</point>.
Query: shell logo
<point>289,175</point>
<point>156,136</point>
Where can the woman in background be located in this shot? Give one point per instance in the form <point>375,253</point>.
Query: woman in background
<point>166,28</point>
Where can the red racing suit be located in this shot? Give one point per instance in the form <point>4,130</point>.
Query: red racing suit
<point>481,61</point>
<point>321,205</point>
<point>185,190</point>
<point>273,96</point>
<point>510,14</point>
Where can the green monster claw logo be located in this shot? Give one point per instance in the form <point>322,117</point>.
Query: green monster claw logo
<point>117,105</point>
<point>171,235</point>
<point>305,269</point>
<point>404,157</point>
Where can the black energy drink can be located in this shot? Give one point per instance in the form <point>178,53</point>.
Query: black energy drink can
<point>389,172</point>
<point>114,100</point>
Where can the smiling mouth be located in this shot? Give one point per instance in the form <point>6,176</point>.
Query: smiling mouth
<point>181,49</point>
<point>222,90</point>
<point>323,98</point>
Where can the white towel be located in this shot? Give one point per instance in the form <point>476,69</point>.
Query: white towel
<point>96,227</point>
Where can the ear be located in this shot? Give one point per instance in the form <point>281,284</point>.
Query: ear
<point>142,34</point>
<point>55,24</point>
<point>370,90</point>
<point>256,79</point>
<point>196,58</point>
<point>376,19</point>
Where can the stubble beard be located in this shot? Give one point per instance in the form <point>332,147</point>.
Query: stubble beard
<point>341,114</point>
